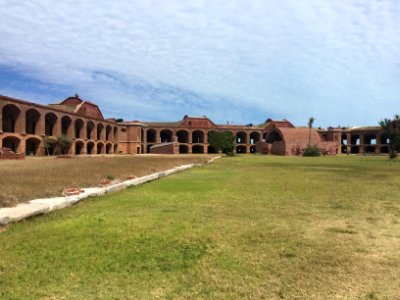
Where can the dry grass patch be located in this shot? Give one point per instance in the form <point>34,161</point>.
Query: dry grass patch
<point>40,177</point>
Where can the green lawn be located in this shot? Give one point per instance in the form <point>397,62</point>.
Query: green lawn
<point>247,227</point>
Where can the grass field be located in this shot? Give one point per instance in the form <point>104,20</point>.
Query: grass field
<point>247,227</point>
<point>40,177</point>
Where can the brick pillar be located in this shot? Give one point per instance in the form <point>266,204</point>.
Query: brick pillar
<point>57,127</point>
<point>348,148</point>
<point>190,139</point>
<point>1,119</point>
<point>362,147</point>
<point>205,138</point>
<point>20,125</point>
<point>339,142</point>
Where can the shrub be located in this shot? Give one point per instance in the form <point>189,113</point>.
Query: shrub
<point>312,150</point>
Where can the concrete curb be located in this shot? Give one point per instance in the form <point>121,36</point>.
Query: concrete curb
<point>46,205</point>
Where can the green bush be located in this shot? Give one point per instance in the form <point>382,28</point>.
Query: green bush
<point>312,150</point>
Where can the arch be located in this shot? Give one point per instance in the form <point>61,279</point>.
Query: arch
<point>90,148</point>
<point>151,135</point>
<point>274,136</point>
<point>65,125</point>
<point>183,136</point>
<point>384,139</point>
<point>32,117</point>
<point>10,116</point>
<point>12,143</point>
<point>254,137</point>
<point>241,149</point>
<point>197,149</point>
<point>32,146</point>
<point>265,134</point>
<point>99,148</point>
<point>166,136</point>
<point>108,148</point>
<point>355,150</point>
<point>183,149</point>
<point>253,149</point>
<point>89,130</point>
<point>210,133</point>
<point>211,149</point>
<point>355,139</point>
<point>78,128</point>
<point>100,128</point>
<point>241,137</point>
<point>370,139</point>
<point>108,132</point>
<point>50,121</point>
<point>198,137</point>
<point>370,149</point>
<point>385,150</point>
<point>79,147</point>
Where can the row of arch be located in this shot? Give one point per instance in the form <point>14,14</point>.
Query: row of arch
<point>34,146</point>
<point>198,149</point>
<point>364,139</point>
<point>31,121</point>
<point>196,136</point>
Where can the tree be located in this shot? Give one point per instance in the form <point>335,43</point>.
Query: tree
<point>310,124</point>
<point>64,143</point>
<point>223,141</point>
<point>48,142</point>
<point>389,126</point>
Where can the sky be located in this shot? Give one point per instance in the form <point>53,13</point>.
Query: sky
<point>233,61</point>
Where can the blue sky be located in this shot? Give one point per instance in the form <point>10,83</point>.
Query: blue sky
<point>236,61</point>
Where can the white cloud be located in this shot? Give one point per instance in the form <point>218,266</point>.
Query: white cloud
<point>287,58</point>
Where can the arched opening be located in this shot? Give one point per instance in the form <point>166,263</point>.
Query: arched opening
<point>183,149</point>
<point>274,136</point>
<point>252,149</point>
<point>370,139</point>
<point>99,148</point>
<point>355,149</point>
<point>241,149</point>
<point>198,137</point>
<point>369,149</point>
<point>108,132</point>
<point>100,128</point>
<point>211,132</point>
<point>115,148</point>
<point>241,137</point>
<point>344,140</point>
<point>211,149</point>
<point>254,137</point>
<point>50,121</point>
<point>183,136</point>
<point>384,139</point>
<point>108,148</point>
<point>65,125</point>
<point>32,146</point>
<point>115,133</point>
<point>344,149</point>
<point>265,134</point>
<point>79,147</point>
<point>151,136</point>
<point>89,148</point>
<point>148,148</point>
<point>166,136</point>
<point>12,143</point>
<point>32,117</point>
<point>197,149</point>
<point>384,150</point>
<point>10,117</point>
<point>89,130</point>
<point>78,128</point>
<point>355,139</point>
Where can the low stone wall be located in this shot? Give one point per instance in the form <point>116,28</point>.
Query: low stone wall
<point>165,148</point>
<point>46,205</point>
<point>6,153</point>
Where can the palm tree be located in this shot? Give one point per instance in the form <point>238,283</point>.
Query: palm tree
<point>310,124</point>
